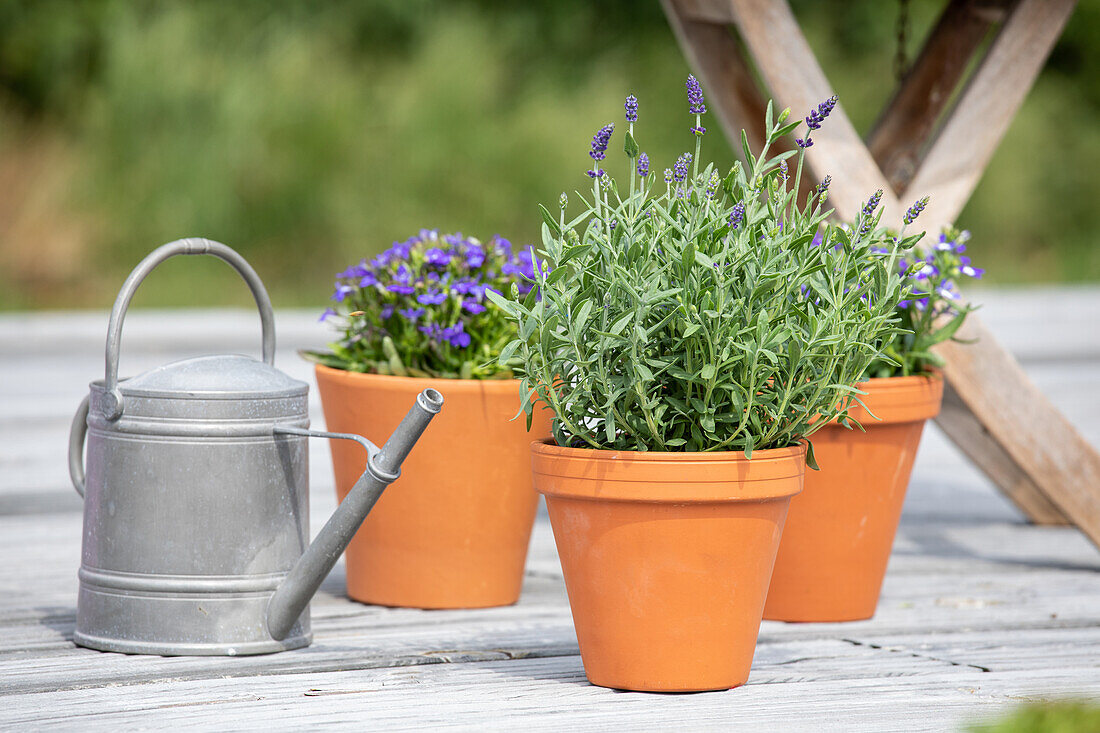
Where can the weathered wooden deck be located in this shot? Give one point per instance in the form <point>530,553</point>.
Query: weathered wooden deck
<point>979,610</point>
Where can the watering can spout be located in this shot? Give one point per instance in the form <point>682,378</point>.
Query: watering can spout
<point>383,467</point>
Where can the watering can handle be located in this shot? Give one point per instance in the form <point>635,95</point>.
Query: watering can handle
<point>76,445</point>
<point>112,402</point>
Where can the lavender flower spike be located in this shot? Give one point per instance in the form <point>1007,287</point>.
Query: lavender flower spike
<point>643,165</point>
<point>817,116</point>
<point>872,203</point>
<point>737,215</point>
<point>695,96</point>
<point>823,187</point>
<point>631,108</point>
<point>869,210</point>
<point>915,210</point>
<point>600,141</point>
<point>680,167</point>
<point>803,143</point>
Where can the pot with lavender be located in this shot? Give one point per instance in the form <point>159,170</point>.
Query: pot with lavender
<point>840,529</point>
<point>453,531</point>
<point>693,333</point>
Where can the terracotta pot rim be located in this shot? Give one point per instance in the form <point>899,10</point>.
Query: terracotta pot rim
<point>902,382</point>
<point>667,478</point>
<point>549,448</point>
<point>895,400</point>
<point>439,383</point>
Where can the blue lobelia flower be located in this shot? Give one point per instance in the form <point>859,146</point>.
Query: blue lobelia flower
<point>437,257</point>
<point>472,306</point>
<point>432,297</point>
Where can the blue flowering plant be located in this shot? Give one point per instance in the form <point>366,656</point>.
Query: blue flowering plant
<point>708,311</point>
<point>935,309</point>
<point>420,309</point>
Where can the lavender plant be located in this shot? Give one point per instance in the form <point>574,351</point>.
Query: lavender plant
<point>706,312</point>
<point>419,309</point>
<point>934,311</point>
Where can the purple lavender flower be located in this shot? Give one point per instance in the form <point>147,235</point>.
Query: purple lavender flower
<point>915,210</point>
<point>680,168</point>
<point>737,215</point>
<point>411,314</point>
<point>643,165</point>
<point>823,187</point>
<point>342,291</point>
<point>784,172</point>
<point>472,306</point>
<point>817,116</point>
<point>631,108</point>
<point>872,203</point>
<point>600,141</point>
<point>695,96</point>
<point>868,212</point>
<point>698,130</point>
<point>369,279</point>
<point>712,185</point>
<point>817,240</point>
<point>668,176</point>
<point>804,143</point>
<point>432,297</point>
<point>401,289</point>
<point>595,174</point>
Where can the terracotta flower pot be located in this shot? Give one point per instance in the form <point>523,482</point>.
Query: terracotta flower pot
<point>453,531</point>
<point>840,529</point>
<point>667,558</point>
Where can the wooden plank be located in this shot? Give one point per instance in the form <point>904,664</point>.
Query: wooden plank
<point>792,73</point>
<point>552,694</point>
<point>908,119</point>
<point>963,147</point>
<point>727,78</point>
<point>975,440</point>
<point>1018,416</point>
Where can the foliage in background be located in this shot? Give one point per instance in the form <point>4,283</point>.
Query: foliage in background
<point>936,309</point>
<point>713,312</point>
<point>419,308</point>
<point>308,135</point>
<point>1059,716</point>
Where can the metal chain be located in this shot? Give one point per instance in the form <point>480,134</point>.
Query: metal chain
<point>901,60</point>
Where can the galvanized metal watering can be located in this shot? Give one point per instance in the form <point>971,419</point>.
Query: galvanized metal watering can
<point>196,496</point>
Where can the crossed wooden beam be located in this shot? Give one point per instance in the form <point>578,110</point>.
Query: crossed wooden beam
<point>935,137</point>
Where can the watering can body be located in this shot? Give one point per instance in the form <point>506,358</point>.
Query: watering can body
<point>196,498</point>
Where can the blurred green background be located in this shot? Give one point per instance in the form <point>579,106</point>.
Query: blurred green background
<point>308,135</point>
